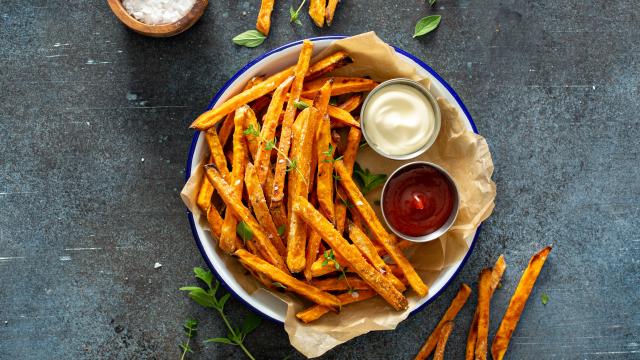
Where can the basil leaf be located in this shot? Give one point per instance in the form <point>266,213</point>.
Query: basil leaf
<point>249,38</point>
<point>427,25</point>
<point>544,298</point>
<point>243,231</point>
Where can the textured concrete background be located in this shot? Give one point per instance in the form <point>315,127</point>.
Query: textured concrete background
<point>552,85</point>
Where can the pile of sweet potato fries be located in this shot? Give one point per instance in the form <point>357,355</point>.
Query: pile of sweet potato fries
<point>320,11</point>
<point>290,202</point>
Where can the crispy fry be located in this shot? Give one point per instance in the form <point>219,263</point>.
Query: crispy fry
<point>442,340</point>
<point>381,235</point>
<point>368,273</point>
<point>324,152</point>
<point>217,153</point>
<point>226,192</point>
<point>263,24</point>
<point>313,248</point>
<point>351,103</point>
<point>228,235</point>
<point>341,85</point>
<point>328,64</point>
<point>331,10</point>
<point>349,282</point>
<point>318,268</point>
<point>204,195</point>
<point>278,214</point>
<point>342,117</point>
<point>297,235</point>
<point>348,158</point>
<point>321,67</point>
<point>402,244</point>
<point>517,303</point>
<point>252,140</point>
<point>316,11</point>
<point>261,210</point>
<point>364,244</point>
<point>215,221</point>
<point>310,292</point>
<point>317,311</point>
<point>496,276</point>
<point>226,129</point>
<point>484,288</point>
<point>458,302</point>
<point>267,134</point>
<point>287,123</point>
<point>251,246</point>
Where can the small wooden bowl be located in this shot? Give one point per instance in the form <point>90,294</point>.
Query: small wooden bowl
<point>164,30</point>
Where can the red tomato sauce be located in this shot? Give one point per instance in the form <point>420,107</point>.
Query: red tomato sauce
<point>418,201</point>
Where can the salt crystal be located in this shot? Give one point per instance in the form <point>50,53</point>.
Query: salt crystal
<point>142,159</point>
<point>359,203</point>
<point>355,294</point>
<point>156,12</point>
<point>156,266</point>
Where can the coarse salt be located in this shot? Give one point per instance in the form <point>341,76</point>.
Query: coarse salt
<point>157,12</point>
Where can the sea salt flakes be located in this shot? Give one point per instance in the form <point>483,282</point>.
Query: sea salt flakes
<point>156,12</point>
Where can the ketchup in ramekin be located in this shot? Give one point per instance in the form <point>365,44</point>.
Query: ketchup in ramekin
<point>419,201</point>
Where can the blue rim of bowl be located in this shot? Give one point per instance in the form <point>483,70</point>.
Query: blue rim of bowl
<point>249,65</point>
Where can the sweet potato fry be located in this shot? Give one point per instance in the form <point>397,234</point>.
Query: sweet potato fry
<point>364,244</point>
<point>215,223</point>
<point>342,118</point>
<point>310,292</point>
<point>261,210</point>
<point>319,68</point>
<point>328,64</point>
<point>350,282</point>
<point>496,276</point>
<point>228,235</point>
<point>316,11</point>
<point>330,11</point>
<point>297,235</point>
<point>287,123</point>
<point>456,305</point>
<point>373,223</point>
<point>204,195</point>
<point>317,311</point>
<point>341,85</point>
<point>442,340</point>
<point>368,273</point>
<point>325,151</point>
<point>226,192</point>
<point>226,129</point>
<point>318,268</point>
<point>252,126</point>
<point>517,303</point>
<point>267,134</point>
<point>217,153</point>
<point>312,250</point>
<point>351,103</point>
<point>263,24</point>
<point>348,159</point>
<point>484,288</point>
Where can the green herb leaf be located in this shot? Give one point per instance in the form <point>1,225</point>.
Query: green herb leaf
<point>427,25</point>
<point>220,340</point>
<point>250,130</point>
<point>294,14</point>
<point>300,105</point>
<point>544,298</point>
<point>223,300</point>
<point>185,349</point>
<point>269,145</point>
<point>202,297</point>
<point>204,275</point>
<point>190,326</point>
<point>333,101</point>
<point>250,323</point>
<point>342,276</point>
<point>367,181</point>
<point>249,38</point>
<point>244,231</point>
<point>281,229</point>
<point>293,164</point>
<point>431,2</point>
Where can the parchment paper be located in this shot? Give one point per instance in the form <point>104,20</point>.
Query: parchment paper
<point>464,154</point>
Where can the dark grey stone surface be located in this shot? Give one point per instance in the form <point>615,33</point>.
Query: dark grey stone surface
<point>553,86</point>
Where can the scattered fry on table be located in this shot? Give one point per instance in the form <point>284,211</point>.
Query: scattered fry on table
<point>330,11</point>
<point>292,284</point>
<point>484,289</point>
<point>456,305</point>
<point>317,311</point>
<point>263,23</point>
<point>357,263</point>
<point>266,248</point>
<point>496,276</point>
<point>316,11</point>
<point>381,235</point>
<point>442,340</point>
<point>517,303</point>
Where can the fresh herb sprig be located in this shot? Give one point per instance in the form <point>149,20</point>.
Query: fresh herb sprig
<point>426,25</point>
<point>249,38</point>
<point>330,256</point>
<point>329,155</point>
<point>190,328</point>
<point>366,180</point>
<point>208,299</point>
<point>294,14</point>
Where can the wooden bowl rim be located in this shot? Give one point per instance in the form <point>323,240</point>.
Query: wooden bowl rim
<point>161,30</point>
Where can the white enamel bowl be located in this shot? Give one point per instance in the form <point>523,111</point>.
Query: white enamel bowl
<point>269,63</point>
